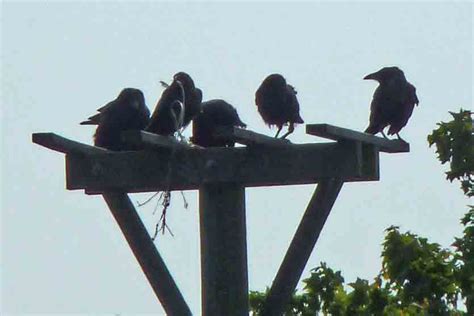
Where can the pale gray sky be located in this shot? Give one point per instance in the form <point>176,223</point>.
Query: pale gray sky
<point>62,251</point>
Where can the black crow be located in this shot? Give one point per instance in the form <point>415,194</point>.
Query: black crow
<point>277,103</point>
<point>127,112</point>
<point>168,117</point>
<point>393,101</point>
<point>214,114</point>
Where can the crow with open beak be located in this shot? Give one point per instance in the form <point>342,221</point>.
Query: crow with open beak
<point>179,103</point>
<point>393,101</point>
<point>214,114</point>
<point>127,112</point>
<point>277,103</point>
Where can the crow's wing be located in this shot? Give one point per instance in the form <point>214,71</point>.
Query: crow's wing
<point>377,121</point>
<point>407,103</point>
<point>96,118</point>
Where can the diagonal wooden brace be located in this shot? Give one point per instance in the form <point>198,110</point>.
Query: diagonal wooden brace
<point>146,253</point>
<point>301,246</point>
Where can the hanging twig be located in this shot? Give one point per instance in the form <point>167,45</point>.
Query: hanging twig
<point>184,200</point>
<point>147,200</point>
<point>161,225</point>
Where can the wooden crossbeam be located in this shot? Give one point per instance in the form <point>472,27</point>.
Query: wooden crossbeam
<point>64,145</point>
<point>146,253</point>
<point>344,134</point>
<point>152,141</point>
<point>301,246</point>
<point>250,138</point>
<point>190,168</point>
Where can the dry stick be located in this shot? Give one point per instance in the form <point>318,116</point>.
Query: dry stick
<point>164,84</point>
<point>158,202</point>
<point>166,203</point>
<point>180,121</point>
<point>184,199</point>
<point>147,200</point>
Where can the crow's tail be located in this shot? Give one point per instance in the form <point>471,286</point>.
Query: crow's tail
<point>371,130</point>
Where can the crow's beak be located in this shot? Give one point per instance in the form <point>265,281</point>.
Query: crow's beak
<point>373,76</point>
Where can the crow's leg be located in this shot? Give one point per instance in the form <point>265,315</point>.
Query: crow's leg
<point>383,134</point>
<point>291,129</point>
<point>279,130</point>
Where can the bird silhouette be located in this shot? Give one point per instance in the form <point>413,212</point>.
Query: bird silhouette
<point>393,101</point>
<point>127,112</point>
<point>277,103</point>
<point>177,106</point>
<point>214,114</point>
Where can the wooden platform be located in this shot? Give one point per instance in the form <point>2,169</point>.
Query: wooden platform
<point>221,176</point>
<point>266,161</point>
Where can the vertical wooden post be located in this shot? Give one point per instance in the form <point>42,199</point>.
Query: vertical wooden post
<point>224,277</point>
<point>145,251</point>
<point>301,246</point>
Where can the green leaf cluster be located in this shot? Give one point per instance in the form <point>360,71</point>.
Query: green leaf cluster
<point>454,143</point>
<point>464,260</point>
<point>419,273</point>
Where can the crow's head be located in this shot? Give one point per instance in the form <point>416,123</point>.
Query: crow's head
<point>275,80</point>
<point>386,74</point>
<point>132,96</point>
<point>236,118</point>
<point>184,79</point>
<point>240,123</point>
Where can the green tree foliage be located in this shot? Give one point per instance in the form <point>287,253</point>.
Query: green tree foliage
<point>455,144</point>
<point>417,277</point>
<point>464,260</point>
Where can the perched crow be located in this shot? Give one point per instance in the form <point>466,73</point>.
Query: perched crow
<point>214,114</point>
<point>168,117</point>
<point>127,112</point>
<point>393,101</point>
<point>277,103</point>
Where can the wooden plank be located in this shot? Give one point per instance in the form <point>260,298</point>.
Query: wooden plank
<point>301,246</point>
<point>64,145</point>
<point>188,169</point>
<point>250,138</point>
<point>341,134</point>
<point>224,278</point>
<point>153,141</point>
<point>146,253</point>
<point>371,157</point>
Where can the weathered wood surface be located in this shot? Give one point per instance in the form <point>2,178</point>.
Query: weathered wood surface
<point>301,246</point>
<point>153,141</point>
<point>146,253</point>
<point>251,166</point>
<point>250,138</point>
<point>342,134</point>
<point>64,145</point>
<point>224,277</point>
